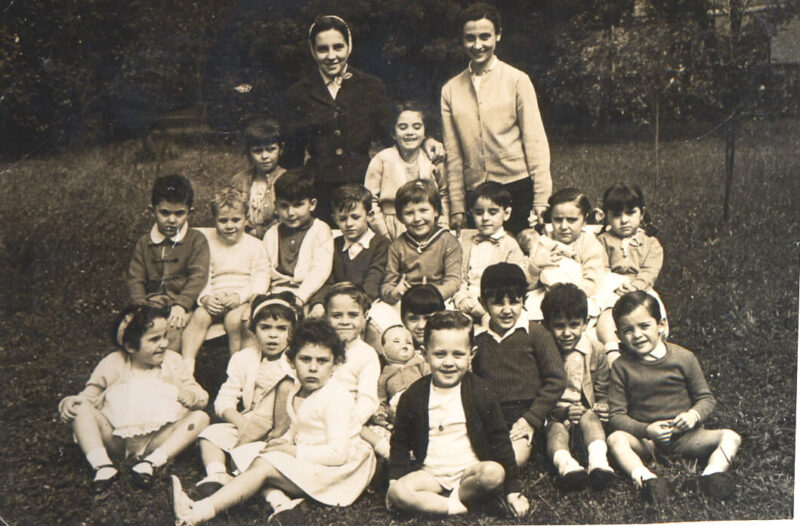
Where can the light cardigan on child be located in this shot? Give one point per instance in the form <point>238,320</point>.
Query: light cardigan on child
<point>314,260</point>
<point>241,381</point>
<point>241,268</point>
<point>437,260</point>
<point>587,374</point>
<point>639,255</point>
<point>495,134</point>
<point>588,253</point>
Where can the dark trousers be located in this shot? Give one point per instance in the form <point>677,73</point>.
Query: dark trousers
<point>521,205</point>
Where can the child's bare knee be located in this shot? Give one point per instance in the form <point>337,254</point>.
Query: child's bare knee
<point>492,475</point>
<point>728,435</point>
<point>618,439</point>
<point>399,495</point>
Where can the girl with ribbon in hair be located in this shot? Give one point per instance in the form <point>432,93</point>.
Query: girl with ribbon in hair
<point>139,402</point>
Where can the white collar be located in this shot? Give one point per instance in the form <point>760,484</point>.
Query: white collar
<point>499,234</point>
<point>584,346</point>
<point>364,240</point>
<point>486,70</point>
<point>521,323</point>
<point>658,352</point>
<point>157,237</point>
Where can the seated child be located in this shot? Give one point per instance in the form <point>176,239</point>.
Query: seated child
<point>260,379</point>
<point>169,266</point>
<point>517,358</point>
<point>321,456</point>
<point>567,254</point>
<point>632,257</point>
<point>424,253</point>
<point>238,272</point>
<point>585,400</point>
<point>417,305</point>
<point>359,255</point>
<point>659,399</point>
<point>450,447</point>
<point>299,247</point>
<point>263,143</point>
<point>490,207</point>
<point>395,166</point>
<point>139,402</point>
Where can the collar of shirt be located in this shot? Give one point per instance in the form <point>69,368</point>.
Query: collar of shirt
<point>287,230</point>
<point>657,353</point>
<point>631,241</point>
<point>333,84</point>
<point>494,238</point>
<point>584,346</point>
<point>156,237</point>
<point>521,323</point>
<point>354,248</point>
<point>486,70</point>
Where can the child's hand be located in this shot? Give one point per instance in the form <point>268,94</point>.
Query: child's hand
<point>68,408</point>
<point>186,397</point>
<point>317,311</point>
<point>545,257</point>
<point>434,150</point>
<point>624,288</point>
<point>575,412</point>
<point>280,444</point>
<point>485,319</point>
<point>660,430</point>
<point>231,300</point>
<point>521,429</point>
<point>401,287</point>
<point>601,410</point>
<point>518,503</point>
<point>458,221</point>
<point>686,420</point>
<point>177,317</point>
<point>213,304</point>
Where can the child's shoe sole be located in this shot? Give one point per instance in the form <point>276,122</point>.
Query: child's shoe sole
<point>573,481</point>
<point>600,479</point>
<point>657,491</point>
<point>718,486</point>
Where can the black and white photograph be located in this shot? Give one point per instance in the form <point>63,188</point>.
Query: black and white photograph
<point>446,262</point>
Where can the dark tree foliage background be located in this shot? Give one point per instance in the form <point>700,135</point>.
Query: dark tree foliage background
<point>90,71</point>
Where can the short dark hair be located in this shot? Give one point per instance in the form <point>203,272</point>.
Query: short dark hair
<point>263,133</point>
<point>564,300</point>
<point>316,331</point>
<point>131,324</point>
<point>448,319</point>
<point>294,185</point>
<point>479,11</point>
<point>493,191</point>
<point>421,299</point>
<point>228,196</point>
<point>274,310</point>
<point>411,105</point>
<point>569,195</point>
<point>417,191</point>
<point>172,188</point>
<point>630,301</point>
<point>346,288</point>
<point>503,280</point>
<point>346,197</point>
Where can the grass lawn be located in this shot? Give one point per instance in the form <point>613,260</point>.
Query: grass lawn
<point>70,220</point>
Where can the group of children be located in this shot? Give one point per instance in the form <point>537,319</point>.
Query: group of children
<point>449,355</point>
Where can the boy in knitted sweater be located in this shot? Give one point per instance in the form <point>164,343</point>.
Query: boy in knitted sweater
<point>671,402</point>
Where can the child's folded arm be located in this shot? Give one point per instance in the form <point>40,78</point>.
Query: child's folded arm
<point>137,274</point>
<point>551,370</point>
<point>650,266</point>
<point>259,274</point>
<point>377,268</point>
<point>452,266</point>
<point>601,375</point>
<point>703,400</point>
<point>231,390</point>
<point>618,408</point>
<point>321,264</point>
<point>392,275</point>
<point>591,264</point>
<point>197,273</point>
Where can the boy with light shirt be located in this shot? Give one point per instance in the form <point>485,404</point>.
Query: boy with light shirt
<point>517,358</point>
<point>169,266</point>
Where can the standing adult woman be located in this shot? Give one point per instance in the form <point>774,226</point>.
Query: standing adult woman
<point>492,126</point>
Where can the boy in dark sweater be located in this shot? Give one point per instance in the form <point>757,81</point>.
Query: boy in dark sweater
<point>659,399</point>
<point>452,424</point>
<point>519,359</point>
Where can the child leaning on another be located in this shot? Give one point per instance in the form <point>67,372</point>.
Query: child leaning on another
<point>359,255</point>
<point>517,358</point>
<point>321,456</point>
<point>299,247</point>
<point>450,447</point>
<point>169,266</point>
<point>659,399</point>
<point>263,143</point>
<point>139,402</point>
<point>259,378</point>
<point>584,404</point>
<point>490,207</point>
<point>633,257</point>
<point>237,273</point>
<point>405,161</point>
<point>417,305</point>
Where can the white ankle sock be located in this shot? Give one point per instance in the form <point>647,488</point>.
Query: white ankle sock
<point>276,498</point>
<point>598,455</point>
<point>640,474</point>
<point>454,504</point>
<point>157,458</point>
<point>98,457</point>
<point>214,468</point>
<point>565,463</point>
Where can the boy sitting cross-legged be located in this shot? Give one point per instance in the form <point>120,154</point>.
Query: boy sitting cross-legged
<point>300,247</point>
<point>517,358</point>
<point>584,404</point>
<point>659,399</point>
<point>453,426</point>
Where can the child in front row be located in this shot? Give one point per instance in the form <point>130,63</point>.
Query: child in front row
<point>169,266</point>
<point>633,257</point>
<point>259,378</point>
<point>139,402</point>
<point>517,358</point>
<point>300,247</point>
<point>321,456</point>
<point>584,404</point>
<point>395,166</point>
<point>490,207</point>
<point>659,399</point>
<point>417,305</point>
<point>450,447</point>
<point>238,271</point>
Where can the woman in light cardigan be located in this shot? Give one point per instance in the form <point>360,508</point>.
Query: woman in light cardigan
<point>492,126</point>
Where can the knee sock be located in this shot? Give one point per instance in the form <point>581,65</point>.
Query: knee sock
<point>214,468</point>
<point>454,504</point>
<point>598,455</point>
<point>640,474</point>
<point>564,462</point>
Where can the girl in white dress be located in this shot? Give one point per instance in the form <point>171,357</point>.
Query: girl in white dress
<point>322,455</point>
<point>139,401</point>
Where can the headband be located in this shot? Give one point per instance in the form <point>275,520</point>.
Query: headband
<point>122,326</point>
<point>273,301</point>
<point>337,18</point>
